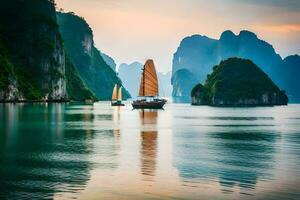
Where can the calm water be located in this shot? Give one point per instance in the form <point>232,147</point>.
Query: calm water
<point>67,151</point>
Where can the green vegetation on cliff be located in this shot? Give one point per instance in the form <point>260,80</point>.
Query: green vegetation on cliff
<point>6,68</point>
<point>76,88</point>
<point>34,48</point>
<point>238,81</point>
<point>79,44</point>
<point>33,62</point>
<point>14,75</point>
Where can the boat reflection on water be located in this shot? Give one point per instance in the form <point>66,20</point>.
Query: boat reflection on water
<point>148,144</point>
<point>116,116</point>
<point>148,117</point>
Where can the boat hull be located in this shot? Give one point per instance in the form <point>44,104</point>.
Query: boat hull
<point>117,104</point>
<point>156,104</point>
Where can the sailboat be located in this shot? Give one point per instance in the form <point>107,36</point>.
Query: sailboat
<point>148,93</point>
<point>116,99</point>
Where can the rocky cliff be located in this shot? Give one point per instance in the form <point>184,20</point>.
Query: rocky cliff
<point>183,80</point>
<point>32,55</point>
<point>76,87</point>
<point>199,53</point>
<point>87,59</point>
<point>130,75</point>
<point>288,77</point>
<point>238,82</point>
<point>164,82</point>
<point>30,35</point>
<point>109,61</point>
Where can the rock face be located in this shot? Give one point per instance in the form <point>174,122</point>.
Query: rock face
<point>199,53</point>
<point>33,62</point>
<point>288,77</point>
<point>8,83</point>
<point>87,59</point>
<point>31,40</point>
<point>164,82</point>
<point>238,82</point>
<point>109,61</point>
<point>183,80</point>
<point>77,89</point>
<point>130,75</point>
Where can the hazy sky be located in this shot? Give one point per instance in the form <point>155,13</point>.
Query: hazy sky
<point>134,30</point>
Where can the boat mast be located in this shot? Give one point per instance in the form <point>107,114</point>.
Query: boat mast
<point>144,80</point>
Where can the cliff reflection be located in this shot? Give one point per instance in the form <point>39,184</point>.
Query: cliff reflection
<point>233,158</point>
<point>148,144</point>
<point>39,156</point>
<point>250,152</point>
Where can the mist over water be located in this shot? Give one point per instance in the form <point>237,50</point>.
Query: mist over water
<point>66,151</point>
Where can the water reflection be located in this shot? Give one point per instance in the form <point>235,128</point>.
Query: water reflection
<point>233,158</point>
<point>66,151</point>
<point>246,149</point>
<point>148,144</point>
<point>38,156</point>
<point>116,117</point>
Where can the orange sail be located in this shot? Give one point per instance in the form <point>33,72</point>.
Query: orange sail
<point>149,82</point>
<point>120,94</point>
<point>114,94</point>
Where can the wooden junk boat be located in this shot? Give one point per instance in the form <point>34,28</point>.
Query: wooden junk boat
<point>116,99</point>
<point>148,93</point>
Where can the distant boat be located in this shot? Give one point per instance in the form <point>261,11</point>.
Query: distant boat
<point>116,99</point>
<point>88,101</point>
<point>148,94</point>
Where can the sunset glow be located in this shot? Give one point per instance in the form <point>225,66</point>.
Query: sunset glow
<point>154,29</point>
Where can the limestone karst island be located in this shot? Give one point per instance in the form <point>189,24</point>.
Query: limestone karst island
<point>237,82</point>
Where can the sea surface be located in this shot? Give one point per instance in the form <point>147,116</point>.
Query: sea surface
<point>77,151</point>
